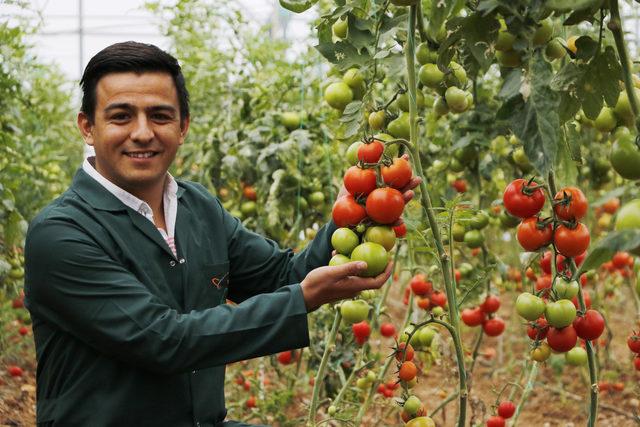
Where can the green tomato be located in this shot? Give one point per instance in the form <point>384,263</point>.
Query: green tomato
<point>566,289</point>
<point>458,75</point>
<point>415,338</point>
<point>458,231</point>
<point>376,120</point>
<point>339,259</point>
<point>354,311</point>
<point>362,383</point>
<point>541,353</point>
<point>426,335</point>
<point>424,55</point>
<point>344,241</point>
<point>382,235</point>
<point>555,50</point>
<point>509,58</point>
<point>560,313</point>
<point>505,41</point>
<point>403,101</point>
<point>430,75</point>
<point>389,150</point>
<point>529,306</point>
<point>316,199</point>
<point>465,269</point>
<point>577,356</point>
<point>338,95</point>
<point>352,153</point>
<point>456,99</point>
<point>509,221</point>
<point>420,421</point>
<point>399,127</point>
<point>437,311</point>
<point>368,294</point>
<point>628,217</point>
<point>606,120</point>
<point>374,254</point>
<point>543,33</point>
<point>353,77</point>
<point>625,157</point>
<point>521,160</point>
<point>456,165</point>
<point>440,106</point>
<point>331,410</point>
<point>479,221</point>
<point>291,120</point>
<point>340,28</point>
<point>412,405</point>
<point>473,239</point>
<point>248,208</point>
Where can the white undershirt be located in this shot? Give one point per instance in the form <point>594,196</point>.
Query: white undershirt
<point>169,198</point>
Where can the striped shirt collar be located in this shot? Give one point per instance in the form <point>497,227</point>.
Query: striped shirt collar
<point>170,200</point>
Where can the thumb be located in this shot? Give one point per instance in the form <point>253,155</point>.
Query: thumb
<point>348,269</point>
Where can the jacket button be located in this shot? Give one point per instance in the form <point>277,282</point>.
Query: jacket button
<point>182,261</point>
<point>172,263</point>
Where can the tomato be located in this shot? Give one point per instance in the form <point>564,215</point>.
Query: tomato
<point>352,152</point>
<point>399,127</point>
<point>426,335</point>
<point>505,41</point>
<point>291,120</point>
<point>629,217</point>
<point>340,27</point>
<point>374,255</point>
<point>491,304</point>
<point>479,221</point>
<point>408,371</point>
<point>353,77</point>
<point>361,330</point>
<point>554,50</point>
<point>590,326</point>
<point>285,357</point>
<point>538,329</point>
<point>398,174</point>
<point>249,193</point>
<point>543,33</point>
<point>634,342</point>
<point>566,289</point>
<point>412,405</point>
<point>620,259</point>
<point>529,306</point>
<point>587,300</point>
<point>358,181</point>
<point>338,95</point>
<point>458,231</point>
<point>400,353</point>
<point>606,120</point>
<point>531,275</point>
<point>430,75</point>
<point>460,185</point>
<point>472,316</point>
<point>458,75</point>
<point>495,421</point>
<point>543,283</point>
<point>533,235</point>
<point>347,212</point>
<point>424,54</point>
<point>560,313</point>
<point>562,340</point>
<point>506,409</point>
<point>403,101</point>
<point>371,152</point>
<point>473,238</point>
<point>571,204</point>
<point>493,327</point>
<point>248,208</point>
<point>354,311</point>
<point>509,58</point>
<point>577,356</point>
<point>541,353</point>
<point>376,120</point>
<point>316,199</point>
<point>382,235</point>
<point>338,259</point>
<point>385,205</point>
<point>14,371</point>
<point>421,422</point>
<point>251,402</point>
<point>420,285</point>
<point>344,240</point>
<point>440,108</point>
<point>456,99</point>
<point>400,230</point>
<point>571,242</point>
<point>521,202</point>
<point>439,298</point>
<point>387,330</point>
<point>636,363</point>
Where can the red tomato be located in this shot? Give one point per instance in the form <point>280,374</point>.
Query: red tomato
<point>457,275</point>
<point>361,330</point>
<point>636,363</point>
<point>590,326</point>
<point>506,409</point>
<point>249,193</point>
<point>385,205</point>
<point>251,402</point>
<point>348,212</point>
<point>620,259</point>
<point>472,316</point>
<point>360,182</point>
<point>611,205</point>
<point>562,340</point>
<point>388,393</point>
<point>460,185</point>
<point>285,357</point>
<point>23,330</point>
<point>493,327</point>
<point>420,285</point>
<point>491,304</point>
<point>495,421</point>
<point>522,202</point>
<point>408,371</point>
<point>398,174</point>
<point>634,342</point>
<point>545,262</point>
<point>584,279</point>
<point>439,298</point>
<point>14,371</point>
<point>400,350</point>
<point>531,275</point>
<point>587,300</point>
<point>532,235</point>
<point>387,330</point>
<point>538,329</point>
<point>544,282</point>
<point>400,230</point>
<point>246,385</point>
<point>571,204</point>
<point>371,152</point>
<point>424,303</point>
<point>572,242</point>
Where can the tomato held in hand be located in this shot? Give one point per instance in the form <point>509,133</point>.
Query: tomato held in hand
<point>533,234</point>
<point>371,152</point>
<point>374,255</point>
<point>398,174</point>
<point>385,205</point>
<point>571,242</point>
<point>571,204</point>
<point>348,212</point>
<point>359,182</point>
<point>522,202</point>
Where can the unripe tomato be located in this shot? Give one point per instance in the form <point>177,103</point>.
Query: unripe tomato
<point>382,235</point>
<point>399,127</point>
<point>430,75</point>
<point>625,157</point>
<point>509,58</point>
<point>577,356</point>
<point>421,422</point>
<point>354,311</point>
<point>505,41</point>
<point>344,240</point>
<point>473,238</point>
<point>606,120</point>
<point>456,99</point>
<point>560,313</point>
<point>529,306</point>
<point>541,353</point>
<point>555,50</point>
<point>412,405</point>
<point>543,33</point>
<point>374,255</point>
<point>352,152</point>
<point>571,242</point>
<point>573,204</point>
<point>340,28</point>
<point>338,95</point>
<point>520,202</point>
<point>376,120</point>
<point>338,259</point>
<point>353,77</point>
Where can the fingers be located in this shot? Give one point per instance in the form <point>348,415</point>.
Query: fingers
<point>408,196</point>
<point>339,272</point>
<point>355,284</point>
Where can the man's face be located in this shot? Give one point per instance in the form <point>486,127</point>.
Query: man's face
<point>137,131</point>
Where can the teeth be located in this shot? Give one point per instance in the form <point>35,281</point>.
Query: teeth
<point>141,155</point>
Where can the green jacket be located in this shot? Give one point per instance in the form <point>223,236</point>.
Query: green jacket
<point>127,334</point>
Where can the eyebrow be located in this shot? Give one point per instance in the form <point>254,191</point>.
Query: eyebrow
<point>126,106</point>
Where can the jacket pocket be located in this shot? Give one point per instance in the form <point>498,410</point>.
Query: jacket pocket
<point>208,287</point>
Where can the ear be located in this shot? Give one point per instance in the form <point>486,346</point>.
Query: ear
<point>86,128</point>
<point>184,129</point>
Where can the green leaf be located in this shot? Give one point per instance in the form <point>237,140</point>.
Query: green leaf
<point>615,241</point>
<point>566,5</point>
<point>587,48</point>
<point>536,122</point>
<point>440,11</point>
<point>567,77</point>
<point>297,6</point>
<point>580,15</point>
<point>15,229</point>
<point>512,84</point>
<point>569,107</point>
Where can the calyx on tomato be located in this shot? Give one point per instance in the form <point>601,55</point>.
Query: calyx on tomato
<point>523,199</point>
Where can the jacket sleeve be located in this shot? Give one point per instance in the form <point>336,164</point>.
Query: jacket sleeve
<point>72,283</point>
<point>258,265</point>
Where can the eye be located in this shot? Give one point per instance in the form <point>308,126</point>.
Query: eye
<point>162,117</point>
<point>118,117</point>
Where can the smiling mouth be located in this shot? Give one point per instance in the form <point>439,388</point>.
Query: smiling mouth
<point>141,154</point>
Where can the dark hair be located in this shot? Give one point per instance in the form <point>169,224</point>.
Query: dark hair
<point>130,57</point>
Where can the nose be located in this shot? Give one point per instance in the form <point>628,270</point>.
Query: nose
<point>142,131</point>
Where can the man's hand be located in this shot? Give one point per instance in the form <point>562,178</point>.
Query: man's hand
<point>329,284</point>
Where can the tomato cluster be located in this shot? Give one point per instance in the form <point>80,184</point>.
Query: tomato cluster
<point>505,410</point>
<point>426,297</point>
<point>633,342</point>
<point>484,315</point>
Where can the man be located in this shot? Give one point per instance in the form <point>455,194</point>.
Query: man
<point>128,271</point>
